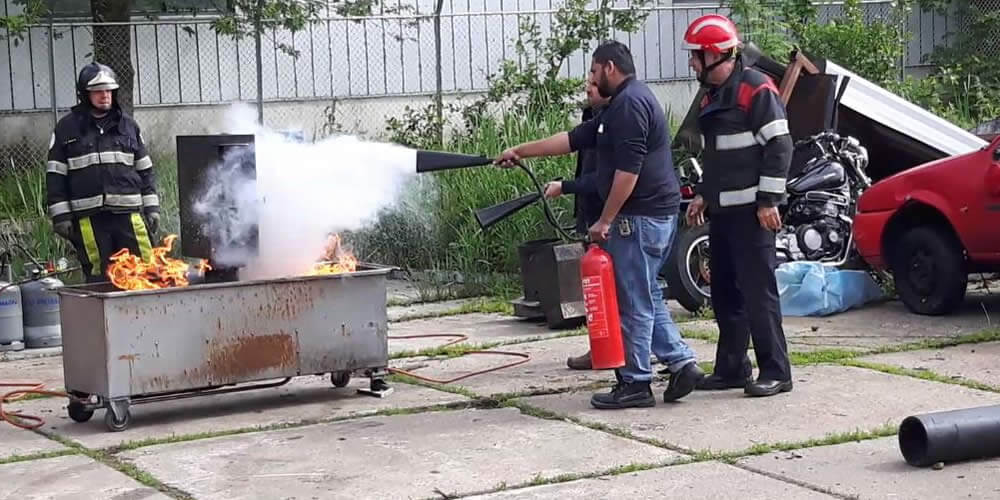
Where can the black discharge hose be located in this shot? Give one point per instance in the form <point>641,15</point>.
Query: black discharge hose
<point>547,210</point>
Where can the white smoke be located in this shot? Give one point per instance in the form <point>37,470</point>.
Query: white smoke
<point>302,193</point>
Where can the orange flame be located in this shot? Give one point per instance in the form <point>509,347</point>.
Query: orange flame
<point>130,272</point>
<point>335,259</point>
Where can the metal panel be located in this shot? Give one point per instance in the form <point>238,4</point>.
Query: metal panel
<point>197,157</point>
<point>85,347</point>
<point>911,120</point>
<point>210,335</point>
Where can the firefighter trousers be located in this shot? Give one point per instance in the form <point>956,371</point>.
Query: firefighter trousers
<point>99,236</point>
<point>745,297</point>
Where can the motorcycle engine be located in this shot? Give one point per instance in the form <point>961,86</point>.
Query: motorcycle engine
<point>814,229</point>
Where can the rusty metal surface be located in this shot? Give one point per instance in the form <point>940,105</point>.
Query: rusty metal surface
<point>129,343</point>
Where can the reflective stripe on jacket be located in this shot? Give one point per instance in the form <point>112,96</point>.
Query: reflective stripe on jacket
<point>746,144</point>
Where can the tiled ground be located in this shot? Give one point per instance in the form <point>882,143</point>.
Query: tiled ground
<point>528,431</point>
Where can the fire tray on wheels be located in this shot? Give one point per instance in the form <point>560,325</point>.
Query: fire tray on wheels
<point>130,347</point>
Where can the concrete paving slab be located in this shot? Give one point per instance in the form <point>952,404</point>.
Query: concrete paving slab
<point>69,478</point>
<point>826,399</point>
<point>974,362</point>
<point>546,371</point>
<point>18,441</point>
<point>890,323</point>
<point>402,456</point>
<point>876,469</point>
<point>48,371</point>
<point>480,328</point>
<point>302,399</point>
<point>700,480</point>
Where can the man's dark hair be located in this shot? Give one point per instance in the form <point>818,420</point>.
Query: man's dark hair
<point>617,53</point>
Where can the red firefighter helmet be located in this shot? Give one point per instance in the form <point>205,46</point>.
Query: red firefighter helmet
<point>711,33</point>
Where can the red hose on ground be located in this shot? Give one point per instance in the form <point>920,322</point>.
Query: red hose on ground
<point>18,419</point>
<point>460,377</point>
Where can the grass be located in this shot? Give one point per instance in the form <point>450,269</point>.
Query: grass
<point>485,305</point>
<point>36,456</point>
<point>23,199</point>
<point>451,238</point>
<point>921,374</point>
<point>831,439</point>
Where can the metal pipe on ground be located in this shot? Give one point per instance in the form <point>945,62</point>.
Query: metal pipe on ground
<point>950,436</point>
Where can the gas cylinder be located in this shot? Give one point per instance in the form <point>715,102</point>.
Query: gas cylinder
<point>11,327</point>
<point>601,299</point>
<point>41,313</point>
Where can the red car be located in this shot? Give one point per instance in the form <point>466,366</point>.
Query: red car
<point>932,225</point>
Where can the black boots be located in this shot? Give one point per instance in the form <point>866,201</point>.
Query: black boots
<point>625,395</point>
<point>683,382</point>
<point>763,387</point>
<point>759,388</point>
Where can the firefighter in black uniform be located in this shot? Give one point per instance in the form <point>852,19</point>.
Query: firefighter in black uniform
<point>746,154</point>
<point>99,178</point>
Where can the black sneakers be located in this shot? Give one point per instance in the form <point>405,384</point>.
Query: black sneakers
<point>625,395</point>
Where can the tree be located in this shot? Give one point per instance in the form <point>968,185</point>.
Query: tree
<point>113,44</point>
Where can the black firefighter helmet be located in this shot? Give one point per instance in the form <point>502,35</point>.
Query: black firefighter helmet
<point>96,76</point>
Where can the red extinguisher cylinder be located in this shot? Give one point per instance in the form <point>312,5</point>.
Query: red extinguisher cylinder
<point>597,273</point>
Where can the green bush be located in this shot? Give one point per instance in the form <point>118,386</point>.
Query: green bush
<point>872,50</point>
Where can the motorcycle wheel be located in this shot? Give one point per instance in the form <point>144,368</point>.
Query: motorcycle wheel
<point>686,270</point>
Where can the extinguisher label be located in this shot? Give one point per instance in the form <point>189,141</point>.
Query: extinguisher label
<point>597,321</point>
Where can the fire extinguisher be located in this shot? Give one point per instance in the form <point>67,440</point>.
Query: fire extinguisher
<point>601,299</point>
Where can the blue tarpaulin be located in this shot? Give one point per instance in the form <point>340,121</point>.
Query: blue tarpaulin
<point>812,289</point>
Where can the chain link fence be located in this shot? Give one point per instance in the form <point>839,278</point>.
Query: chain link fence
<point>349,75</point>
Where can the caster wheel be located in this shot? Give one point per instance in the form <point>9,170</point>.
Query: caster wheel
<point>340,379</point>
<point>78,412</point>
<point>114,425</point>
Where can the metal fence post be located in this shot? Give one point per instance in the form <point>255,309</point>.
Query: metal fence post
<point>52,71</point>
<point>439,89</point>
<point>260,69</point>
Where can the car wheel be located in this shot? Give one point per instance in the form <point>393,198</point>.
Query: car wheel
<point>686,270</point>
<point>928,268</point>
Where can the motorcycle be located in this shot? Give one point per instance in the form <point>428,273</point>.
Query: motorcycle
<point>824,183</point>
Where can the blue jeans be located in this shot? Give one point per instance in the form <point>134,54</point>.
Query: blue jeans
<point>639,246</point>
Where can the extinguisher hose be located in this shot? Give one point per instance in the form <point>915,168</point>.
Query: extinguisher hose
<point>547,210</point>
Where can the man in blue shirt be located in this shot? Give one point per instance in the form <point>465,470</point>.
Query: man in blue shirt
<point>637,183</point>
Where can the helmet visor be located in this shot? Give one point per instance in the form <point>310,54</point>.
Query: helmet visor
<point>102,81</point>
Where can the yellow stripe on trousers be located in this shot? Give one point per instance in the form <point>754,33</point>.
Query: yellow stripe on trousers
<point>141,236</point>
<point>90,246</point>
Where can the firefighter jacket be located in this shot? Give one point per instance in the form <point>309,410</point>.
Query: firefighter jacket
<point>746,146</point>
<point>91,169</point>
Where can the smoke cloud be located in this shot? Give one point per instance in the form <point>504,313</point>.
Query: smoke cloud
<point>302,192</point>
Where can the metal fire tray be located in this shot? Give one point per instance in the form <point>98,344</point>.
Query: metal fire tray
<point>130,347</point>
